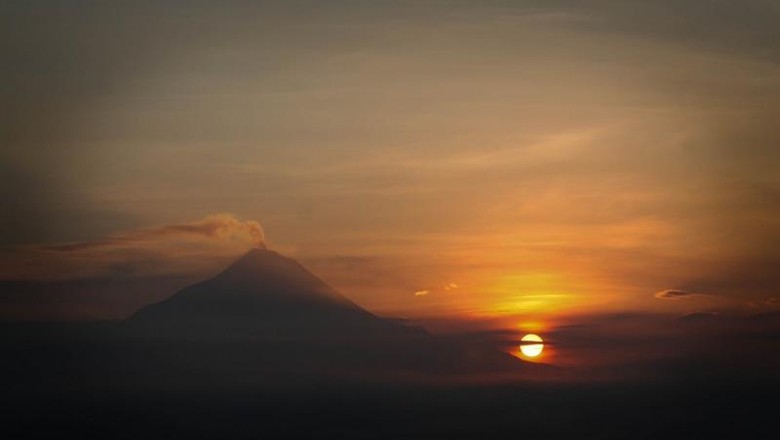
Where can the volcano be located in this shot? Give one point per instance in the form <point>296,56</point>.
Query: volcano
<point>266,294</point>
<point>267,311</point>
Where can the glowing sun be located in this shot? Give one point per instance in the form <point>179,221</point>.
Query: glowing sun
<point>531,350</point>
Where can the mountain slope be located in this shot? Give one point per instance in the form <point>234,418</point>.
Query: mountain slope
<point>267,313</point>
<point>266,294</point>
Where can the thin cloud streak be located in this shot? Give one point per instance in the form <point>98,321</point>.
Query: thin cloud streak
<point>222,226</point>
<point>185,249</point>
<point>675,294</point>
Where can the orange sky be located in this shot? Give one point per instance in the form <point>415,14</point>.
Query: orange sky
<point>513,161</point>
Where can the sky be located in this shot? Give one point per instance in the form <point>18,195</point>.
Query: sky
<point>505,160</point>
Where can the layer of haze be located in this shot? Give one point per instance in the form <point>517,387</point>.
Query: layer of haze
<point>500,158</point>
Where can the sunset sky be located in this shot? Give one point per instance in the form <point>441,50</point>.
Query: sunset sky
<point>510,160</point>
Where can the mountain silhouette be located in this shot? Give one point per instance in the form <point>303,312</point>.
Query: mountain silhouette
<point>266,294</point>
<point>268,312</point>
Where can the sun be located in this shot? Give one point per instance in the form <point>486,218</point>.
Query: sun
<point>531,350</point>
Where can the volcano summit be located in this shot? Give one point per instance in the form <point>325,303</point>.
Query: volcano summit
<point>268,295</point>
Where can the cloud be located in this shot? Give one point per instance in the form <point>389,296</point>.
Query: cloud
<point>222,226</point>
<point>675,294</point>
<point>111,278</point>
<point>447,287</point>
<point>193,248</point>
